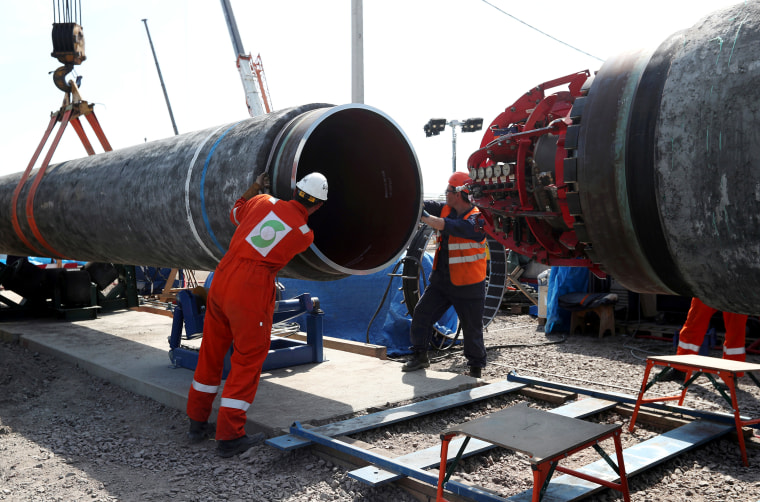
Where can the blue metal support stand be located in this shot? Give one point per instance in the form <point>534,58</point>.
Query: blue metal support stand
<point>283,352</point>
<point>472,492</point>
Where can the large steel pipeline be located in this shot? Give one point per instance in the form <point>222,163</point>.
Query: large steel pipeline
<point>669,163</point>
<point>648,171</point>
<point>166,203</point>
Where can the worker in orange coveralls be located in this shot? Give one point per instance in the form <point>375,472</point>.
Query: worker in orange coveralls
<point>240,307</point>
<point>698,320</point>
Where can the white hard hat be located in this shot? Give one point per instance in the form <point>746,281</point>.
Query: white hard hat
<point>315,185</point>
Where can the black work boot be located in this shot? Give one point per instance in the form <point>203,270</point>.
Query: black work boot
<point>199,431</point>
<point>475,372</point>
<point>418,361</point>
<point>231,447</point>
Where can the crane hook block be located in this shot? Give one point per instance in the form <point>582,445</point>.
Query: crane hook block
<point>68,43</point>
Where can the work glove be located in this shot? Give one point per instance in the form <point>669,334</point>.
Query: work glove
<point>261,185</point>
<point>263,181</point>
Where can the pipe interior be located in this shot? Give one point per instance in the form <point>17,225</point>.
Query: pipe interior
<point>374,189</point>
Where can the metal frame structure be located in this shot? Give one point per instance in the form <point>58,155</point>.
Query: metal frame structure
<point>694,366</point>
<point>547,438</point>
<point>435,126</point>
<point>564,488</point>
<point>251,71</point>
<point>283,352</point>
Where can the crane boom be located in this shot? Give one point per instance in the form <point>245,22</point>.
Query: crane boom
<point>244,63</point>
<point>229,16</point>
<point>258,68</point>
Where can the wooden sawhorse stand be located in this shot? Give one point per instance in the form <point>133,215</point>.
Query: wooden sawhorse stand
<point>545,437</point>
<point>694,366</point>
<point>606,314</point>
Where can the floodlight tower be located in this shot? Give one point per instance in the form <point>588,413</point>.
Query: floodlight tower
<point>435,126</point>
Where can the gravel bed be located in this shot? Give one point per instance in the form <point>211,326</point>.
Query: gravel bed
<point>65,435</point>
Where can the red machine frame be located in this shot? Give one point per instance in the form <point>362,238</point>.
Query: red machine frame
<point>524,205</point>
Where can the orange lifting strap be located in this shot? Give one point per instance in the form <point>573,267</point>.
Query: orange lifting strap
<point>73,107</point>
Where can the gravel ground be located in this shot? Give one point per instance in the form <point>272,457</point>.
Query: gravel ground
<point>65,435</point>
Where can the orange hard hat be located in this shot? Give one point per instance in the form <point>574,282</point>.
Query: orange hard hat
<point>458,180</point>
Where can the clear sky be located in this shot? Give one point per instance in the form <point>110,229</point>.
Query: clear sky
<point>423,59</point>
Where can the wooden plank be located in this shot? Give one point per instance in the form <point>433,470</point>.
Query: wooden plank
<point>153,310</point>
<point>652,417</point>
<point>637,459</point>
<point>524,291</point>
<point>514,279</point>
<point>431,457</point>
<point>703,362</point>
<point>364,349</point>
<point>168,293</point>
<point>393,415</point>
<point>172,277</point>
<point>552,396</point>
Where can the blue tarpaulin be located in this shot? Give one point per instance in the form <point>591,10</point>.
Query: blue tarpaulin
<point>350,303</point>
<point>43,261</point>
<point>562,280</point>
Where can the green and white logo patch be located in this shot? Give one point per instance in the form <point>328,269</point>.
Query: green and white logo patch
<point>265,236</point>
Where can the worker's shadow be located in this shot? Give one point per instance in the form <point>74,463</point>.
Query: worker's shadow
<point>704,391</point>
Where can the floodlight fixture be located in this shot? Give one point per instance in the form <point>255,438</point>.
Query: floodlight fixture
<point>434,127</point>
<point>472,125</point>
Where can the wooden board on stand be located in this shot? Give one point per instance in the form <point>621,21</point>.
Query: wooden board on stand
<point>169,293</point>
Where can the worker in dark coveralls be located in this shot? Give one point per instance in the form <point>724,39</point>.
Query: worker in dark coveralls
<point>458,277</point>
<point>240,307</point>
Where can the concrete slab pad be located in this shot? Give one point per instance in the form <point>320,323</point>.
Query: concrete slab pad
<point>130,349</point>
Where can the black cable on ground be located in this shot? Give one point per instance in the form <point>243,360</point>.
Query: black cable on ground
<point>385,295</point>
<point>647,350</point>
<point>450,351</point>
<point>563,339</point>
<point>443,338</point>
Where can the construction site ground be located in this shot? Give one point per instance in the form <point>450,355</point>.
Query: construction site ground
<point>92,410</point>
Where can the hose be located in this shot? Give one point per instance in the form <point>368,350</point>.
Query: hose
<point>385,295</point>
<point>452,351</point>
<point>443,338</point>
<point>563,339</point>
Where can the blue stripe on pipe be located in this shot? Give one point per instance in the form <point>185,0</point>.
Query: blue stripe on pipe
<point>190,220</point>
<point>203,182</point>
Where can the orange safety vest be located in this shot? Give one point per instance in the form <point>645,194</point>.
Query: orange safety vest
<point>467,259</point>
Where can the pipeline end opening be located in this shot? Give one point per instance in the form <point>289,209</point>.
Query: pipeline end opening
<point>375,188</point>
